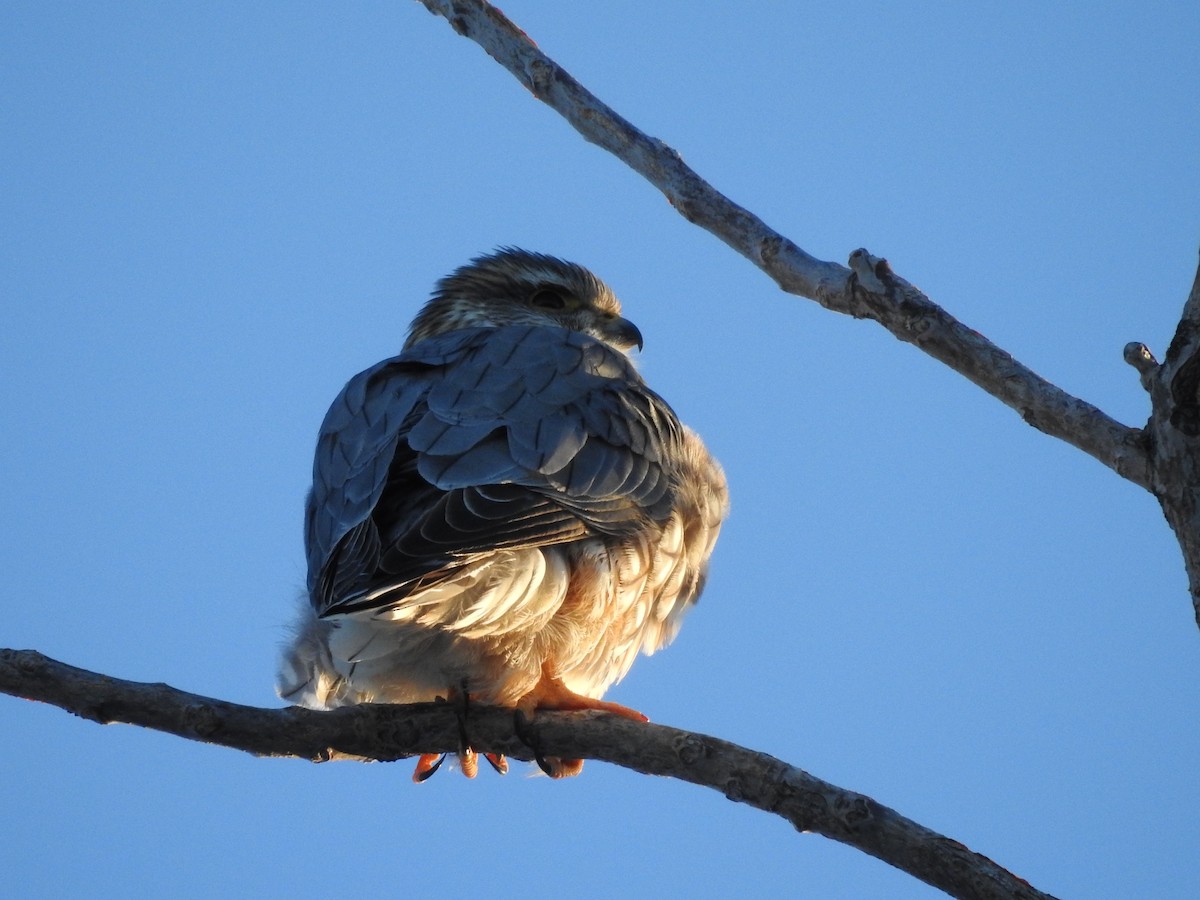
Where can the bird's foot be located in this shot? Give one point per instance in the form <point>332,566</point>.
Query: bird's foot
<point>468,759</point>
<point>551,693</point>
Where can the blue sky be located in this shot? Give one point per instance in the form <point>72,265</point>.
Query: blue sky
<point>213,215</point>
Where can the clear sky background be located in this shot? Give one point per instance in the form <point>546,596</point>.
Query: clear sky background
<point>215,214</point>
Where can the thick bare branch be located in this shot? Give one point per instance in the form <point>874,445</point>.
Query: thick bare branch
<point>891,301</point>
<point>1174,431</point>
<point>385,733</point>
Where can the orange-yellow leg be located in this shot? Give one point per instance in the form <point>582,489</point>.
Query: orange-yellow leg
<point>551,693</point>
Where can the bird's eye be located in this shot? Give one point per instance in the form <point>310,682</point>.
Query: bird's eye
<point>548,298</point>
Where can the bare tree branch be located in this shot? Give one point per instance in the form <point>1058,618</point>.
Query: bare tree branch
<point>386,733</point>
<point>892,302</point>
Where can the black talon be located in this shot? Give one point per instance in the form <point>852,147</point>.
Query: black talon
<point>497,762</point>
<point>524,729</point>
<point>428,773</point>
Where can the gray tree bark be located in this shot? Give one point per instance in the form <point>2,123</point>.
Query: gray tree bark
<point>1172,436</point>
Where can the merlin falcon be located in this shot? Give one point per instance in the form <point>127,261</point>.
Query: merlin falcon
<point>504,513</point>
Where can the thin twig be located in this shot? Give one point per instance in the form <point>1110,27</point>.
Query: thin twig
<point>894,303</point>
<point>385,733</point>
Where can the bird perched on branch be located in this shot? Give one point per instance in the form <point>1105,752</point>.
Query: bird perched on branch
<point>504,513</point>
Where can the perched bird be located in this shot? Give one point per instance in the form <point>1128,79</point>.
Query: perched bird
<point>504,513</point>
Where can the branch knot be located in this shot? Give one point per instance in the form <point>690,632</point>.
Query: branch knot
<point>690,749</point>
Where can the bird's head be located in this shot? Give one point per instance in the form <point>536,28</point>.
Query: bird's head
<point>515,287</point>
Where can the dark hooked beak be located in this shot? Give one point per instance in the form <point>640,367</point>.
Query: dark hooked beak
<point>623,334</point>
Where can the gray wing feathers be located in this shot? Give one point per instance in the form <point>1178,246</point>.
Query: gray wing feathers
<point>546,445</point>
<point>488,462</point>
<point>355,447</point>
<point>553,412</point>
